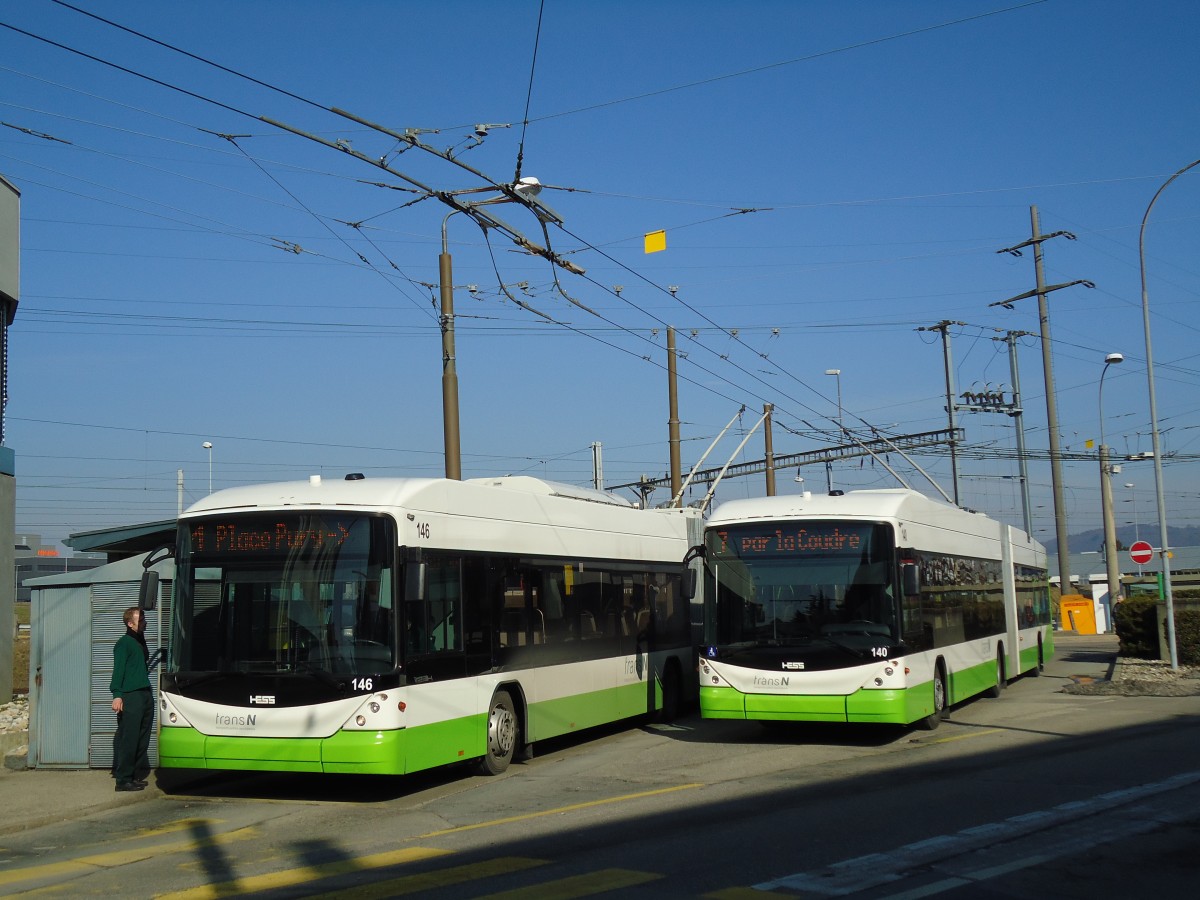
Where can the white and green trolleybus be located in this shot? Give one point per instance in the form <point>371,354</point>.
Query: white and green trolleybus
<point>869,606</point>
<point>384,626</point>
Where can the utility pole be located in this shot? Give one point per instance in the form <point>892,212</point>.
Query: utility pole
<point>1042,289</point>
<point>450,423</point>
<point>673,420</point>
<point>944,328</point>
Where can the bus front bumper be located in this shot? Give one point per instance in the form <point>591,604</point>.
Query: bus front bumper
<point>349,752</point>
<point>895,707</point>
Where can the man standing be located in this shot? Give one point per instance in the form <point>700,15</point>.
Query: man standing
<point>133,703</point>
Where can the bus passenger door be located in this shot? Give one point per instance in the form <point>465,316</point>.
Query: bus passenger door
<point>432,628</point>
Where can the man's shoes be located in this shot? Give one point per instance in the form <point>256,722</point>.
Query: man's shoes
<point>140,782</point>
<point>130,786</point>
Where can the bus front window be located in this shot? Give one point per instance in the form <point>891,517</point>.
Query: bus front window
<point>788,583</point>
<point>285,593</point>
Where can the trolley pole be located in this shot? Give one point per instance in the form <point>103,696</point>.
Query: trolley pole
<point>598,465</point>
<point>1018,415</point>
<point>769,449</point>
<point>944,328</point>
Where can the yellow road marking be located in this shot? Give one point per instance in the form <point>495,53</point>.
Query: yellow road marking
<point>179,825</point>
<point>430,881</point>
<point>292,877</point>
<point>561,809</point>
<point>578,885</point>
<point>119,857</point>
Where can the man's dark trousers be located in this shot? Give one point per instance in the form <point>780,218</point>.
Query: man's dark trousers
<point>133,736</point>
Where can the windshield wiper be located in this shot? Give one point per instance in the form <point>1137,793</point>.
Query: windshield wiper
<point>206,677</point>
<point>310,668</point>
<point>857,651</point>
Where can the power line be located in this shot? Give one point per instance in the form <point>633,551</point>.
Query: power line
<point>788,62</point>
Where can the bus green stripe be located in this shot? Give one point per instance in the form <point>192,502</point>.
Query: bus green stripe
<point>971,681</point>
<point>401,751</point>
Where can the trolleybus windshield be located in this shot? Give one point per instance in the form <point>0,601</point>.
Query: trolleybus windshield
<point>285,593</point>
<point>786,583</point>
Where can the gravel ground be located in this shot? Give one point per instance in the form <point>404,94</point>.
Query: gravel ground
<point>14,716</point>
<point>1142,678</point>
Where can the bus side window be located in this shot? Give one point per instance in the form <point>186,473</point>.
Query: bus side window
<point>434,623</point>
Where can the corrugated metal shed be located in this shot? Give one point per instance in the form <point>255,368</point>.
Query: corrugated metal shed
<point>76,618</point>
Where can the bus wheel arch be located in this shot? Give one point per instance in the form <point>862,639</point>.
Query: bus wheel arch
<point>672,692</point>
<point>505,715</point>
<point>940,697</point>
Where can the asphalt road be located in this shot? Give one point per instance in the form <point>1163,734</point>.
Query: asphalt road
<point>1037,794</point>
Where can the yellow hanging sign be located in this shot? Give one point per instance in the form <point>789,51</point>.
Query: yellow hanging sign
<point>656,241</point>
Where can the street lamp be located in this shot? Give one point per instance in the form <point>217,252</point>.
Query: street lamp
<point>207,445</point>
<point>1110,535</point>
<point>1164,543</point>
<point>836,373</point>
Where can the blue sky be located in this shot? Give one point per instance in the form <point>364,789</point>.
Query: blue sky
<point>832,178</point>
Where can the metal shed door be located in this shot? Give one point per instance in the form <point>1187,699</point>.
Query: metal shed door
<point>62,673</point>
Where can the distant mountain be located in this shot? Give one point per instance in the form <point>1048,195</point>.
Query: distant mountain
<point>1186,536</point>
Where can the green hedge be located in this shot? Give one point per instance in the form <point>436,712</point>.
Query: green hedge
<point>1135,621</point>
<point>1187,636</point>
<point>1138,626</point>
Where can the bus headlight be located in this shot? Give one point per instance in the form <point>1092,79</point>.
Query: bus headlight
<point>374,707</point>
<point>360,720</point>
<point>889,671</point>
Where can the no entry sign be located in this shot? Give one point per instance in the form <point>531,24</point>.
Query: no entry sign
<point>1141,552</point>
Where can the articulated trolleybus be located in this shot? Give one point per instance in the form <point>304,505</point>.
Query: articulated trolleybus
<point>870,606</point>
<point>383,626</point>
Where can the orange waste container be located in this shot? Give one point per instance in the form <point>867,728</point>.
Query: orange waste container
<point>1077,613</point>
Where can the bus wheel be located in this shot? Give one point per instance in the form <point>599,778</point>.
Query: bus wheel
<point>672,694</point>
<point>934,719</point>
<point>502,733</point>
<point>1001,682</point>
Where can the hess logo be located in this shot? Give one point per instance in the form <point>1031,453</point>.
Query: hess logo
<point>263,699</point>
